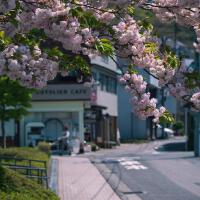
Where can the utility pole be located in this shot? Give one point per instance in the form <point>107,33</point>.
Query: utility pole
<point>197,116</point>
<point>186,128</point>
<point>163,99</point>
<point>197,136</point>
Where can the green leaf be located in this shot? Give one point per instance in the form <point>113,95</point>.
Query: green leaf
<point>172,60</point>
<point>166,118</point>
<point>151,47</point>
<point>104,47</point>
<point>54,52</point>
<point>14,100</point>
<point>4,41</point>
<point>2,34</point>
<point>131,10</point>
<point>131,69</point>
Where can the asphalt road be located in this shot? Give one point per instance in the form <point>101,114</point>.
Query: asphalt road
<point>152,175</point>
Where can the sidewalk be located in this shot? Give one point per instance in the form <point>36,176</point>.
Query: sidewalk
<point>78,179</point>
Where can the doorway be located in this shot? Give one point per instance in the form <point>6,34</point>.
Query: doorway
<point>53,129</point>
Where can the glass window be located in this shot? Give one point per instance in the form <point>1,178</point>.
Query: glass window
<point>36,130</point>
<point>112,85</point>
<point>94,75</point>
<point>108,84</point>
<point>103,82</point>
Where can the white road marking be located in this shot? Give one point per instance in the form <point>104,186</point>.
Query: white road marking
<point>129,163</point>
<point>132,167</point>
<point>156,152</point>
<point>128,158</point>
<point>143,167</point>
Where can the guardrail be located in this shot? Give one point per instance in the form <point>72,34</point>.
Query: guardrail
<point>27,168</point>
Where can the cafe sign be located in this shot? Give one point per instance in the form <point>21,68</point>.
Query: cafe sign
<point>63,92</point>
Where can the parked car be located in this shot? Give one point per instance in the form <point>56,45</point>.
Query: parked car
<point>168,132</point>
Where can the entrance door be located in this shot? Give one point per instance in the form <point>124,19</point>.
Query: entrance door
<point>53,129</point>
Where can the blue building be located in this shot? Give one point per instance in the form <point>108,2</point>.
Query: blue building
<point>130,126</point>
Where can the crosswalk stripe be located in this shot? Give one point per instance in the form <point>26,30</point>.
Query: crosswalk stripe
<point>143,167</point>
<point>129,163</point>
<point>129,158</point>
<point>132,167</point>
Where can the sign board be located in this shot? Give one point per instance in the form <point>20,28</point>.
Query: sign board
<point>60,92</point>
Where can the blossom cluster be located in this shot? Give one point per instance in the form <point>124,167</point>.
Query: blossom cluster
<point>195,99</point>
<point>143,105</point>
<point>29,67</point>
<point>179,88</point>
<point>128,34</point>
<point>78,33</point>
<point>59,25</point>
<point>185,12</point>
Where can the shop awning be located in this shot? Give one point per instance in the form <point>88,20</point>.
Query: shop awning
<point>35,124</point>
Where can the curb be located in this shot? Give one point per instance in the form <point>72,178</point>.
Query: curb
<point>53,183</point>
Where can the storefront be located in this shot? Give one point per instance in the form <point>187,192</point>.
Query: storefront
<point>54,107</point>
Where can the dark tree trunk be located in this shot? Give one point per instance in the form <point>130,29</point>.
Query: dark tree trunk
<point>3,133</point>
<point>17,133</point>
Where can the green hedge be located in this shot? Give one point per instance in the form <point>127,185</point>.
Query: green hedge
<point>14,186</point>
<point>44,147</point>
<point>25,153</point>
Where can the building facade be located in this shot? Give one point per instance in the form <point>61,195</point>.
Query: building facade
<point>130,126</point>
<point>53,108</point>
<point>90,113</point>
<point>101,117</point>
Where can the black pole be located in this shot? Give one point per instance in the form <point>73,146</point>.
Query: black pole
<point>197,61</point>
<point>3,134</point>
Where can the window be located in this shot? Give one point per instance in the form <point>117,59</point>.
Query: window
<point>35,130</point>
<point>103,82</point>
<point>108,84</point>
<point>94,75</point>
<point>112,86</point>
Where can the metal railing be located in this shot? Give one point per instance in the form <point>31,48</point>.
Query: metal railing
<point>27,168</point>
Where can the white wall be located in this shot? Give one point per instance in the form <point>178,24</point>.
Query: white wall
<point>108,100</point>
<point>104,62</point>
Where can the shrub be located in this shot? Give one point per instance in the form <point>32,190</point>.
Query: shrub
<point>93,147</point>
<point>177,127</point>
<point>44,147</point>
<point>14,186</point>
<point>25,153</point>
